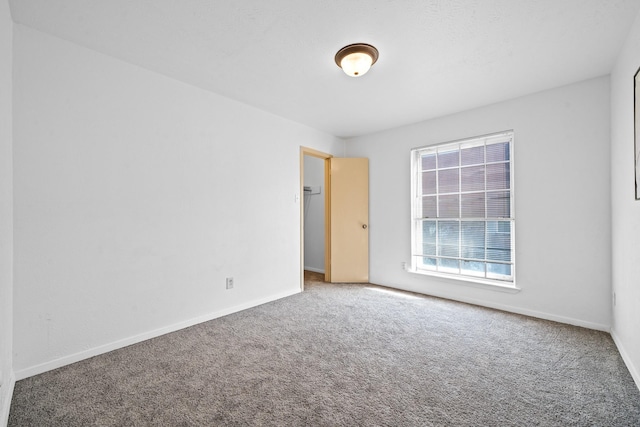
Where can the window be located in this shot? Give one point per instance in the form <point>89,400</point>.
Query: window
<point>462,208</point>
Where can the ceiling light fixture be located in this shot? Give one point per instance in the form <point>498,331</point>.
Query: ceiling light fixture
<point>356,59</point>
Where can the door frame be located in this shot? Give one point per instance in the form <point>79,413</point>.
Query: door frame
<point>305,151</point>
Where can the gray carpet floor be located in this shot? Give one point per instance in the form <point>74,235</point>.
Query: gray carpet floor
<point>346,355</point>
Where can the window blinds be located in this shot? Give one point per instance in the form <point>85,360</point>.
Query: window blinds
<point>463,208</point>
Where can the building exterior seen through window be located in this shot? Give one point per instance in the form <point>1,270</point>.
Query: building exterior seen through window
<point>462,207</point>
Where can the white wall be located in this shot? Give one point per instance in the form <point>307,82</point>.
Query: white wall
<point>135,196</point>
<point>562,204</point>
<point>314,215</point>
<point>6,213</point>
<point>625,209</point>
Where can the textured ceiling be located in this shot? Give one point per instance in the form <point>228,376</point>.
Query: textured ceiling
<point>436,56</point>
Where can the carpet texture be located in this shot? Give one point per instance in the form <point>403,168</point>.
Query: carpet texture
<point>346,355</point>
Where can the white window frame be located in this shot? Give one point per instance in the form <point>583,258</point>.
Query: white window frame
<point>417,257</point>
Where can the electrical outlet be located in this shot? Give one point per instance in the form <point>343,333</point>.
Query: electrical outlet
<point>403,265</point>
<point>229,282</point>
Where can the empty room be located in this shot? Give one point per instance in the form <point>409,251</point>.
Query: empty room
<point>332,213</point>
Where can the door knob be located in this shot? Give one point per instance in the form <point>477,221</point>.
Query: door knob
<point>364,226</point>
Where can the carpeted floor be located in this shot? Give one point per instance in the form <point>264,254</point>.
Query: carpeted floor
<point>346,355</point>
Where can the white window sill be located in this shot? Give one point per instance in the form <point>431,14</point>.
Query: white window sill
<point>494,285</point>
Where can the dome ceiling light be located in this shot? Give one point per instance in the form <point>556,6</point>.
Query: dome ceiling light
<point>356,59</point>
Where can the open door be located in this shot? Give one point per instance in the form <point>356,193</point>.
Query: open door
<point>346,218</point>
<point>349,219</point>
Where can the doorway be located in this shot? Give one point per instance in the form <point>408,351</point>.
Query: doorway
<point>313,199</point>
<point>346,213</point>
<point>314,213</point>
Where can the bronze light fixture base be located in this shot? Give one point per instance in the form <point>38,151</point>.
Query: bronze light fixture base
<point>357,48</point>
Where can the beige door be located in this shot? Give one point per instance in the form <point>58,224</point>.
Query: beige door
<point>349,201</point>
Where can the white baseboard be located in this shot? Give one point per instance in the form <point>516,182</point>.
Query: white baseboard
<point>633,370</point>
<point>6,393</point>
<point>76,357</point>
<point>554,318</point>
<point>315,270</point>
<point>518,310</point>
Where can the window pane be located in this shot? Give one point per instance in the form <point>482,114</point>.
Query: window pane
<point>428,263</point>
<point>498,254</point>
<point>499,240</point>
<point>449,265</point>
<point>448,181</point>
<point>472,244</point>
<point>498,204</point>
<point>498,176</point>
<point>428,161</point>
<point>448,159</point>
<point>499,227</point>
<point>472,156</point>
<point>428,249</point>
<point>448,238</point>
<point>429,182</point>
<point>429,207</point>
<point>472,178</point>
<point>428,238</point>
<point>472,205</point>
<point>449,206</point>
<point>498,269</point>
<point>498,152</point>
<point>472,268</point>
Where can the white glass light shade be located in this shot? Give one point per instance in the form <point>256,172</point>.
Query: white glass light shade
<point>356,59</point>
<point>356,64</point>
